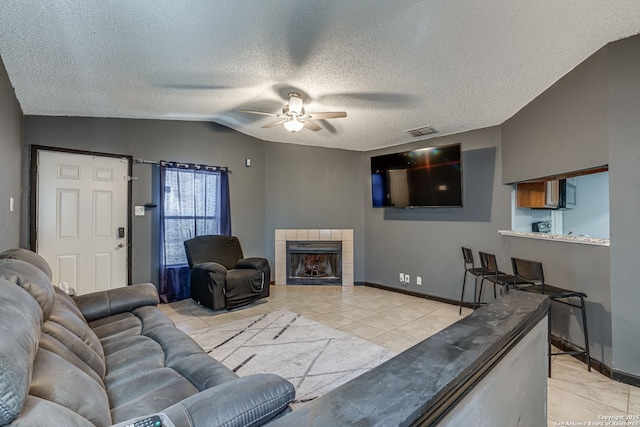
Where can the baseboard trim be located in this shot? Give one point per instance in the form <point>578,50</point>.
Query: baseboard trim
<point>417,294</point>
<point>626,378</point>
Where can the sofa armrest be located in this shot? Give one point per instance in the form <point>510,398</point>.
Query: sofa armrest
<point>248,401</point>
<point>211,267</point>
<point>256,263</point>
<point>262,265</point>
<point>97,305</point>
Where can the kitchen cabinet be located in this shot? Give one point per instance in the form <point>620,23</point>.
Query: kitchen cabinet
<point>541,195</point>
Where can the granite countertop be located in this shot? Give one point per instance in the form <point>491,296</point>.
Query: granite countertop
<point>557,237</point>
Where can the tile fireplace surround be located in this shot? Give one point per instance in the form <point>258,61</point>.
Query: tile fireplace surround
<point>343,235</point>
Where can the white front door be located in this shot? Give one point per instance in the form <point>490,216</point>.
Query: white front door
<point>82,219</point>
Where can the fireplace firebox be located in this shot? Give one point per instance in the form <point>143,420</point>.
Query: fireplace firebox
<point>314,262</point>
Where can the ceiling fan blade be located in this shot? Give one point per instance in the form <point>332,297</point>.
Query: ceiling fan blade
<point>279,122</point>
<point>311,126</point>
<point>261,112</point>
<point>333,115</point>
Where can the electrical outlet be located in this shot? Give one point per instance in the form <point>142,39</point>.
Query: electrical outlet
<point>418,280</point>
<point>401,277</point>
<point>407,279</point>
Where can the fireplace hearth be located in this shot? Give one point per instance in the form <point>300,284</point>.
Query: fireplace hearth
<point>314,263</point>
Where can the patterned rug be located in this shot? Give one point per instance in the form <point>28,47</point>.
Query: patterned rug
<point>314,357</point>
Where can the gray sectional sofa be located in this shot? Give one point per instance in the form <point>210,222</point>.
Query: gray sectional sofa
<point>108,357</point>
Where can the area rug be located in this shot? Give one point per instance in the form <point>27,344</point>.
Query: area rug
<point>314,357</point>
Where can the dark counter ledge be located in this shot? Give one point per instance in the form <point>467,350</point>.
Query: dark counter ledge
<point>420,385</point>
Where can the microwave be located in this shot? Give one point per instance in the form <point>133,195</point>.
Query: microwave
<point>560,194</point>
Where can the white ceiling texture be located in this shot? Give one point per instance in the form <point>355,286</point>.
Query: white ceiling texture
<point>392,65</point>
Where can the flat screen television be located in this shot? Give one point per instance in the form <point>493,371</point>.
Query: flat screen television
<point>425,177</point>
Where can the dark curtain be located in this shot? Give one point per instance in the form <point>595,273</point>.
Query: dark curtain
<point>194,202</point>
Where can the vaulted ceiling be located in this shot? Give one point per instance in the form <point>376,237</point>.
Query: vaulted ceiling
<point>391,65</point>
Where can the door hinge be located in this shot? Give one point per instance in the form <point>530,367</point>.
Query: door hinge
<point>130,178</point>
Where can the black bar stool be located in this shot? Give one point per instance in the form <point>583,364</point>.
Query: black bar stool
<point>531,272</point>
<point>491,273</point>
<point>469,267</point>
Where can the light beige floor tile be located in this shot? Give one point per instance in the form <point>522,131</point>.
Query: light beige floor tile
<point>571,374</point>
<point>360,330</point>
<point>565,406</point>
<point>353,312</point>
<point>332,320</point>
<point>309,311</point>
<point>385,321</point>
<point>418,330</point>
<point>634,401</point>
<point>609,392</point>
<point>393,342</point>
<point>379,303</point>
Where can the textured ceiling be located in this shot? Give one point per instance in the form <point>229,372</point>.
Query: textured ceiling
<point>391,65</point>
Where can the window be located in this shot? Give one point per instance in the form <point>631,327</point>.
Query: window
<point>192,206</point>
<point>194,202</point>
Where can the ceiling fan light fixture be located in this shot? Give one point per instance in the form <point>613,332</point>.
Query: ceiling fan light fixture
<point>293,125</point>
<point>295,103</point>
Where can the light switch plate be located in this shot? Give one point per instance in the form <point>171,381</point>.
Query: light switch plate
<point>139,211</point>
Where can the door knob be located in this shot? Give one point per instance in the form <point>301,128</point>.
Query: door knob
<point>121,245</point>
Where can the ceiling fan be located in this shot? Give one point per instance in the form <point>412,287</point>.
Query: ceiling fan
<point>294,118</point>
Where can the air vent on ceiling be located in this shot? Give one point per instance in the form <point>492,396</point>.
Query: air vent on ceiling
<point>421,131</point>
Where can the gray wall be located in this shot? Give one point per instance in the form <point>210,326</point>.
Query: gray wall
<point>312,187</point>
<point>426,242</point>
<point>11,170</point>
<point>577,267</point>
<point>595,110</point>
<point>167,140</point>
<point>564,129</point>
<point>624,187</point>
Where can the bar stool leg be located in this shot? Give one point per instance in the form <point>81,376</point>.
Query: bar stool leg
<point>549,339</point>
<point>476,297</point>
<point>464,281</point>
<point>586,333</point>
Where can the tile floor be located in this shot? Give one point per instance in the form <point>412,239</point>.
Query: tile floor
<point>574,395</point>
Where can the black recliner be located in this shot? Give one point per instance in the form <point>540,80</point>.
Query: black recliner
<point>221,278</point>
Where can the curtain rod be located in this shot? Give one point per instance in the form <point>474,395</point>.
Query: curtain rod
<point>154,162</point>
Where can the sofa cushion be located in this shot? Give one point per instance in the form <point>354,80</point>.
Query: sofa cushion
<point>66,327</point>
<point>249,401</point>
<point>20,320</point>
<point>68,302</point>
<point>59,381</point>
<point>29,257</point>
<point>41,412</point>
<point>47,342</point>
<point>32,280</point>
<point>163,389</point>
<point>97,305</point>
<point>76,345</point>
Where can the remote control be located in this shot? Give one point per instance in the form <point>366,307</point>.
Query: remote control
<point>152,421</point>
